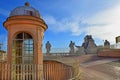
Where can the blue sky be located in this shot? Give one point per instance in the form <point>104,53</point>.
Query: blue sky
<point>70,20</point>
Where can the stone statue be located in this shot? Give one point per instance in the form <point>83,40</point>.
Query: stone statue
<point>107,44</point>
<point>71,45</point>
<point>48,47</point>
<point>89,44</point>
<point>1,46</point>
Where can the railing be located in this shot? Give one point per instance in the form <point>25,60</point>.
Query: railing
<point>115,46</point>
<point>60,71</point>
<point>60,52</point>
<point>21,72</point>
<point>36,72</point>
<point>57,50</point>
<point>56,54</point>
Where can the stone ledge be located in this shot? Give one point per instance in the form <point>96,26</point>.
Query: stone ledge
<point>110,53</point>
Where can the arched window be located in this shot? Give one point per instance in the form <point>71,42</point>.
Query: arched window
<point>23,49</point>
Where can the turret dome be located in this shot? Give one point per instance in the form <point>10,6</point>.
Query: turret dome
<point>25,10</point>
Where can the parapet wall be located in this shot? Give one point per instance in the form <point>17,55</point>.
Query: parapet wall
<point>109,53</point>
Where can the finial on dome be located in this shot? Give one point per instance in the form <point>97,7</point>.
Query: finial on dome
<point>27,4</point>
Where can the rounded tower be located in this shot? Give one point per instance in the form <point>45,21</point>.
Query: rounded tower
<point>25,34</point>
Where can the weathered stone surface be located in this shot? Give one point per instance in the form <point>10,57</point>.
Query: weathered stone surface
<point>89,45</point>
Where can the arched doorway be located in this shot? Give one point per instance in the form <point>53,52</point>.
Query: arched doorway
<point>23,67</point>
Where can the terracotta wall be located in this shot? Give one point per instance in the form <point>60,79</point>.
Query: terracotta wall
<point>54,70</point>
<point>0,71</point>
<point>110,53</point>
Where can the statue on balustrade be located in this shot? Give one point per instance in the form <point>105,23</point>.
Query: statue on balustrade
<point>48,48</point>
<point>107,44</point>
<point>88,46</point>
<point>71,46</point>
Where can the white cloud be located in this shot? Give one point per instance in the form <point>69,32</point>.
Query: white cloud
<point>107,24</point>
<point>64,25</point>
<point>103,25</point>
